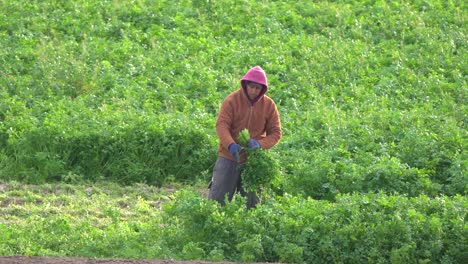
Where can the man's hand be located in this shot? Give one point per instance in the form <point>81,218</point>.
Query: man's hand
<point>234,149</point>
<point>253,144</point>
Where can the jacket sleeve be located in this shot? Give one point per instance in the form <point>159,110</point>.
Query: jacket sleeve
<point>272,129</point>
<point>224,124</point>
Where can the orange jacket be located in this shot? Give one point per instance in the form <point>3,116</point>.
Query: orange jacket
<point>260,116</point>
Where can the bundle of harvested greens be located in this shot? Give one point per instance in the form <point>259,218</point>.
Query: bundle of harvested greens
<point>260,169</point>
<point>244,137</point>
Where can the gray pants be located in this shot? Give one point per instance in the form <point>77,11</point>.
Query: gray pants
<point>226,181</point>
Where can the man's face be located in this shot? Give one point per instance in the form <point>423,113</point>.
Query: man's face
<point>253,89</point>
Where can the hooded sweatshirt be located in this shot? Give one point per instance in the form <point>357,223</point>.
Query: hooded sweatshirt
<point>259,115</point>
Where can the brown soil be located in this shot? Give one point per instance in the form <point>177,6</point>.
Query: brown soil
<point>61,260</point>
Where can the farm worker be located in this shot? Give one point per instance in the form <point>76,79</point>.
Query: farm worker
<point>246,108</point>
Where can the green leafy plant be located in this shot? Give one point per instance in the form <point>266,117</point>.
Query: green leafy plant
<point>244,137</point>
<point>260,170</point>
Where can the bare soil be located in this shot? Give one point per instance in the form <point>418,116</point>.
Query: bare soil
<point>62,260</point>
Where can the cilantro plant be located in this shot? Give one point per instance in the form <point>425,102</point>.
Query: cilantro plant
<point>260,169</point>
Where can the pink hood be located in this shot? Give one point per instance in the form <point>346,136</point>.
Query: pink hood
<point>258,75</point>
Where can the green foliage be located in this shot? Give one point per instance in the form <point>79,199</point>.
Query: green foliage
<point>259,171</point>
<point>133,148</point>
<point>371,94</point>
<point>129,222</point>
<point>244,137</point>
<point>372,102</point>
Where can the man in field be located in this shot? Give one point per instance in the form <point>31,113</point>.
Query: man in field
<point>247,108</point>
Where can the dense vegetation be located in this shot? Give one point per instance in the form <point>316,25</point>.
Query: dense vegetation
<point>371,96</point>
<point>141,221</point>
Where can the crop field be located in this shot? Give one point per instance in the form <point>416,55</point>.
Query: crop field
<point>108,141</point>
